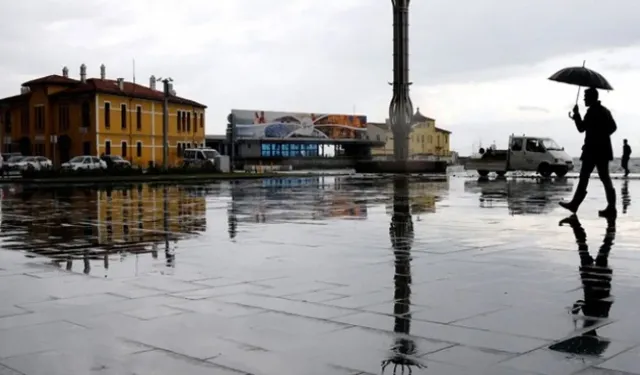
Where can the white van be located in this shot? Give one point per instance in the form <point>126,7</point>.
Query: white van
<point>199,157</point>
<point>525,153</point>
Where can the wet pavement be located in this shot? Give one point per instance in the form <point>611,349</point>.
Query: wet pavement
<point>321,275</point>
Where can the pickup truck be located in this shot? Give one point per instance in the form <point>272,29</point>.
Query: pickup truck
<point>526,154</point>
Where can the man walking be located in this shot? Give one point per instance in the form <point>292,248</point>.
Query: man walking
<point>626,154</point>
<point>598,125</point>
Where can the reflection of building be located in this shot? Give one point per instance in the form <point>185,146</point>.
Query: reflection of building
<point>424,196</point>
<point>137,215</point>
<point>61,117</point>
<point>293,199</point>
<point>426,140</point>
<point>520,196</point>
<point>72,224</point>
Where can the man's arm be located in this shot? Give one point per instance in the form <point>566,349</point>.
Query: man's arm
<point>578,119</point>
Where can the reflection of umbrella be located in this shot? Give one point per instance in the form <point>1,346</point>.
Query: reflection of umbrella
<point>582,77</point>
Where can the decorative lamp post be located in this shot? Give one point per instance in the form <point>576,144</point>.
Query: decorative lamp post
<point>401,108</point>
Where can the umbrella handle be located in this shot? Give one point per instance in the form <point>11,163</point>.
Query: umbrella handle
<point>579,87</point>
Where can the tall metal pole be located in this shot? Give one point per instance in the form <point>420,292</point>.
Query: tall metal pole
<point>401,108</point>
<point>165,123</point>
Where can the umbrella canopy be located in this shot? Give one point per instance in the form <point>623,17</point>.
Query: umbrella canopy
<point>581,76</point>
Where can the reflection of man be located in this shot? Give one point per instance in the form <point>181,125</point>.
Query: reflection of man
<point>598,125</point>
<point>595,273</point>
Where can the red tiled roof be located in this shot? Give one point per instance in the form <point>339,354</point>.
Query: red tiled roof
<point>15,98</point>
<point>52,80</point>
<point>109,86</point>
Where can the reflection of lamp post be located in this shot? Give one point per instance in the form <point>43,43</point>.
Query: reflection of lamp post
<point>169,256</point>
<point>231,213</point>
<point>401,234</point>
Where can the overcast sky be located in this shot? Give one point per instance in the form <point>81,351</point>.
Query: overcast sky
<point>479,67</point>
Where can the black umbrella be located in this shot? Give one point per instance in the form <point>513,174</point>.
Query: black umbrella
<point>581,77</point>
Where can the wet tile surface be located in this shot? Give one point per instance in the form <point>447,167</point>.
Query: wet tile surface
<point>323,275</point>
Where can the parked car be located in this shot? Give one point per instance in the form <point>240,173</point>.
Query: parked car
<point>84,162</point>
<point>115,161</point>
<point>31,162</point>
<point>11,163</point>
<point>9,155</point>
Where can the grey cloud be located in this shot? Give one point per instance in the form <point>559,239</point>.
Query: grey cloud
<point>305,54</point>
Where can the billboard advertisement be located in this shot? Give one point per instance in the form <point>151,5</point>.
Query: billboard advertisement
<point>270,124</point>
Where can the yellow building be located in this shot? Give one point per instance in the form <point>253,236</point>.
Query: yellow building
<point>60,117</point>
<point>426,140</point>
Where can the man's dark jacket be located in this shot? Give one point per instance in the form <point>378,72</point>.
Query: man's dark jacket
<point>598,125</point>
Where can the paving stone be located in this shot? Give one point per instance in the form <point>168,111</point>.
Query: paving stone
<point>487,286</point>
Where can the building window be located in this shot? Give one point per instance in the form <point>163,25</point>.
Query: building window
<point>184,121</point>
<point>266,150</point>
<point>7,122</point>
<point>38,149</point>
<point>38,115</point>
<point>188,121</point>
<point>179,146</point>
<point>139,149</point>
<point>138,118</point>
<point>202,120</point>
<point>123,115</point>
<point>195,121</point>
<point>179,121</point>
<point>86,114</point>
<point>24,121</point>
<point>63,118</point>
<point>124,149</point>
<point>107,148</point>
<point>107,115</point>
<point>86,148</point>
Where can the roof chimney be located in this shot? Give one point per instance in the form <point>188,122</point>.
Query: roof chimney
<point>152,82</point>
<point>83,73</point>
<point>121,84</point>
<point>65,72</point>
<point>103,72</point>
<point>24,90</point>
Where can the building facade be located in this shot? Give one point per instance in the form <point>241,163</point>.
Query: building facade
<point>425,141</point>
<point>60,117</point>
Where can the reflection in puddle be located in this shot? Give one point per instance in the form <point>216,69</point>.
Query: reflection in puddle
<point>596,278</point>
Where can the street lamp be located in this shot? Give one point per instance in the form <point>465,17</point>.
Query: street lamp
<point>168,91</point>
<point>231,139</point>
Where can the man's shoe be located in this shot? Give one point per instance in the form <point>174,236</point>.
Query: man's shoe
<point>608,212</point>
<point>569,206</point>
